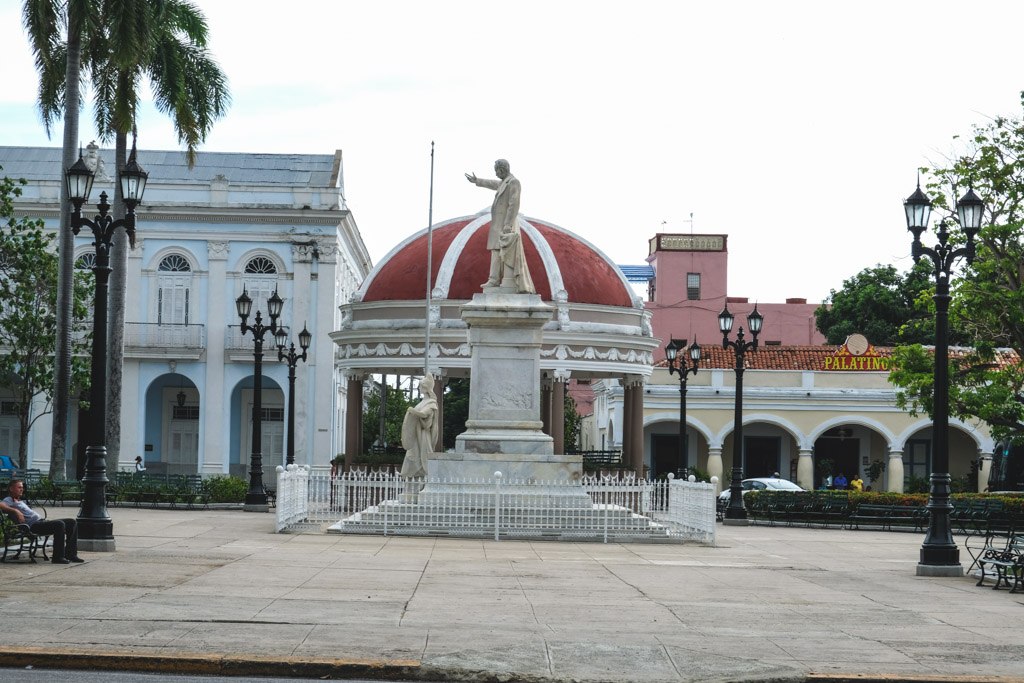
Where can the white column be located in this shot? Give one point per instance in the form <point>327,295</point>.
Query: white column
<point>984,470</point>
<point>214,396</point>
<point>715,466</point>
<point>805,469</point>
<point>894,472</point>
<point>132,428</point>
<point>321,378</point>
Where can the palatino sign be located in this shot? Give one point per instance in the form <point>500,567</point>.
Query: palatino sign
<point>857,354</point>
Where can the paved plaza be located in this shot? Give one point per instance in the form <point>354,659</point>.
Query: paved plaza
<point>218,591</point>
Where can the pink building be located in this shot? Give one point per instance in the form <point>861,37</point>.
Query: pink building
<point>688,291</point>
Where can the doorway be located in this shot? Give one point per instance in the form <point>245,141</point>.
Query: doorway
<point>665,453</point>
<point>761,455</point>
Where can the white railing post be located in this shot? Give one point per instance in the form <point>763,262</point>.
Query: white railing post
<point>497,504</point>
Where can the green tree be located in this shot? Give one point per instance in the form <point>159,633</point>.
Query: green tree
<point>987,307</point>
<point>395,407</point>
<point>573,423</point>
<point>56,29</point>
<point>162,43</point>
<point>122,44</point>
<point>886,306</point>
<point>28,321</point>
<point>456,409</point>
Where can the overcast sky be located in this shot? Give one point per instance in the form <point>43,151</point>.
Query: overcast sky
<point>795,128</point>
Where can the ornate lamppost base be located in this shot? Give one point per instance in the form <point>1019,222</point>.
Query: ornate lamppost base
<point>256,503</point>
<point>940,570</point>
<point>743,521</point>
<point>97,545</point>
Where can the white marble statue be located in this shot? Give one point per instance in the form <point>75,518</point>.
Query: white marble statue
<point>419,431</point>
<point>504,240</point>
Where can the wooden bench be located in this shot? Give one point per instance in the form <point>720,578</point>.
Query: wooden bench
<point>1007,562</point>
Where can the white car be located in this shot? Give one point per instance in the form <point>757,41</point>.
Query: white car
<point>760,484</point>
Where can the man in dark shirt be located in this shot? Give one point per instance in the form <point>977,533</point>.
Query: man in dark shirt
<point>64,531</point>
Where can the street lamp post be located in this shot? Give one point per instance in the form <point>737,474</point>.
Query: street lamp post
<point>736,513</point>
<point>256,498</point>
<point>95,528</point>
<point>292,358</point>
<point>939,553</point>
<point>677,366</point>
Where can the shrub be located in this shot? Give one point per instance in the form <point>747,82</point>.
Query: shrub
<point>226,489</point>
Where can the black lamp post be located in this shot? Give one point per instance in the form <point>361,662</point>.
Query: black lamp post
<point>677,366</point>
<point>95,527</point>
<point>256,498</point>
<point>292,358</point>
<point>939,553</point>
<point>736,511</point>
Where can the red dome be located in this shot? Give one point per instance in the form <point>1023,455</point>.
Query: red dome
<point>557,260</point>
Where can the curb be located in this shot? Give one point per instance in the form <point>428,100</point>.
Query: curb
<point>909,678</point>
<point>212,664</point>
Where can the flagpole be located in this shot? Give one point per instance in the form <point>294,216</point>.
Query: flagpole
<point>430,263</point>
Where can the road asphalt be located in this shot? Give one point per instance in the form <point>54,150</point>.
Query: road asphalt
<point>218,592</point>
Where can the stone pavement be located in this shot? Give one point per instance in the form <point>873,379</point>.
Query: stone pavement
<point>218,591</point>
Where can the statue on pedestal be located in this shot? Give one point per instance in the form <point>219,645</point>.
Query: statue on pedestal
<point>504,240</point>
<point>419,431</point>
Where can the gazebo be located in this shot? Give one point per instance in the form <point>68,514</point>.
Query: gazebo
<point>600,329</point>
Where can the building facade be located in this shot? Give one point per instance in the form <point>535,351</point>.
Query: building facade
<point>687,288</point>
<point>254,222</point>
<point>807,412</point>
<point>808,409</point>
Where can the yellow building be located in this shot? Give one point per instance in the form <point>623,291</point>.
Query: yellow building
<point>803,408</point>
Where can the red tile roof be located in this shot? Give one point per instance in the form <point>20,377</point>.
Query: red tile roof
<point>799,357</point>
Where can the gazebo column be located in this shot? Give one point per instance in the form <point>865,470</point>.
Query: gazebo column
<point>715,466</point>
<point>558,411</point>
<point>439,382</point>
<point>805,469</point>
<point>984,470</point>
<point>545,405</point>
<point>894,472</point>
<point>633,430</point>
<point>353,416</point>
<point>627,423</point>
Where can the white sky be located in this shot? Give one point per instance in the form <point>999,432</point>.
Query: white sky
<point>794,127</point>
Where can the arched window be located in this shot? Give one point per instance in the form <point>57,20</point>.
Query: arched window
<point>175,263</point>
<point>260,283</point>
<point>86,261</point>
<point>260,265</point>
<point>174,290</point>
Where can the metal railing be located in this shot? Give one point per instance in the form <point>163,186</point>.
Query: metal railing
<point>596,508</point>
<point>154,335</point>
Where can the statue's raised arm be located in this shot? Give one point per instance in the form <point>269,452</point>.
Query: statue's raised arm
<point>504,240</point>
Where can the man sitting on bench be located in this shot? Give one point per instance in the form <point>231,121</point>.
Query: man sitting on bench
<point>64,531</point>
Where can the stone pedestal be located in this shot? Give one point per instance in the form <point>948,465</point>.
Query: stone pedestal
<point>504,432</point>
<point>504,388</point>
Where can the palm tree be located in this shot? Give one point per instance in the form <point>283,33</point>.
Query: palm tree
<point>119,44</point>
<point>58,60</point>
<point>162,42</point>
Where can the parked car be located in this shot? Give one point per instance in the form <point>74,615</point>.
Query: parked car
<point>760,484</point>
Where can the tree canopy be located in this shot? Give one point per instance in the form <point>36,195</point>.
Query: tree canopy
<point>987,307</point>
<point>28,321</point>
<point>886,306</point>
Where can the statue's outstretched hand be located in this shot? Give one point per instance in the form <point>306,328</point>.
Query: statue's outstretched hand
<point>471,177</point>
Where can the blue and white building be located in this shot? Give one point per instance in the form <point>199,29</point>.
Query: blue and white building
<point>258,222</point>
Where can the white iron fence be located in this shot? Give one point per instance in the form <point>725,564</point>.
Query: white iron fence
<point>597,508</point>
